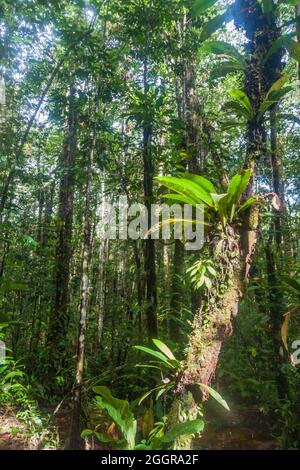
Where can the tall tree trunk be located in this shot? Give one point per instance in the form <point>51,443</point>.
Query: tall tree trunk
<point>102,291</point>
<point>297,15</point>
<point>274,261</point>
<point>149,245</point>
<point>75,440</point>
<point>59,316</point>
<point>192,119</point>
<point>176,290</point>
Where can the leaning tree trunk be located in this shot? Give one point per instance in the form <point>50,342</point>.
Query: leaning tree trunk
<point>222,305</point>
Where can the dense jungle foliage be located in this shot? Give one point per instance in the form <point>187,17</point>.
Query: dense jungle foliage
<point>123,342</point>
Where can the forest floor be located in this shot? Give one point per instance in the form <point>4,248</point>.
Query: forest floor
<point>11,437</point>
<point>245,430</point>
<point>239,430</point>
<point>24,434</point>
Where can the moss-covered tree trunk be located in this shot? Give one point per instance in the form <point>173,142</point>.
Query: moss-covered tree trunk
<point>222,302</point>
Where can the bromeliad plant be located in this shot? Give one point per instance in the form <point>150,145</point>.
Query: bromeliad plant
<point>170,368</point>
<point>194,189</point>
<point>222,211</point>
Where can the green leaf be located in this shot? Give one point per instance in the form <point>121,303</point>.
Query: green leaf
<point>212,26</point>
<point>87,432</point>
<point>207,282</point>
<point>247,203</point>
<point>225,68</point>
<point>200,6</point>
<point>201,181</point>
<point>142,447</point>
<point>186,188</point>
<point>143,397</point>
<point>103,437</point>
<point>283,40</point>
<point>233,186</point>
<point>237,185</point>
<point>293,48</point>
<point>179,198</point>
<point>13,374</point>
<point>223,48</point>
<point>120,413</point>
<point>264,107</point>
<point>292,282</point>
<point>277,85</point>
<point>184,429</point>
<point>237,108</point>
<point>164,349</point>
<point>211,270</point>
<point>242,98</point>
<point>277,95</point>
<point>215,395</point>
<point>288,2</point>
<point>15,431</point>
<point>154,353</point>
<point>267,6</point>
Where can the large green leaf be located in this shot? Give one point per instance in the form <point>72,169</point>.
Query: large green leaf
<point>215,395</point>
<point>284,40</point>
<point>120,413</point>
<point>164,349</point>
<point>212,26</point>
<point>223,48</point>
<point>156,354</point>
<point>233,186</point>
<point>184,429</point>
<point>179,198</point>
<point>225,68</point>
<point>237,108</point>
<point>277,85</point>
<point>241,97</point>
<point>200,180</point>
<point>186,188</point>
<point>292,282</point>
<point>237,185</point>
<point>266,104</point>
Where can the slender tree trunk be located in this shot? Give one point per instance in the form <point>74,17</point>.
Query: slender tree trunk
<point>274,261</point>
<point>102,291</point>
<point>59,317</point>
<point>75,440</point>
<point>176,291</point>
<point>192,119</point>
<point>149,245</point>
<point>297,15</point>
